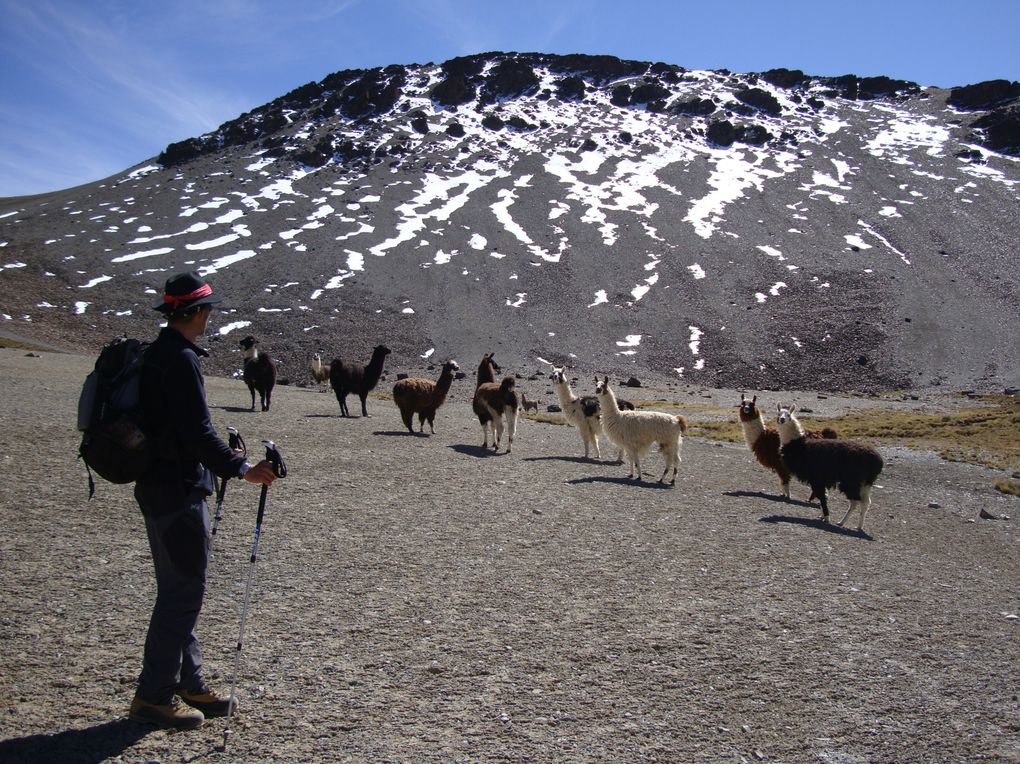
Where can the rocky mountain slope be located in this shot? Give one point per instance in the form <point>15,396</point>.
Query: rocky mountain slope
<point>761,230</point>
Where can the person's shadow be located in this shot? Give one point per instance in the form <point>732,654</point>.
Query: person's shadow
<point>85,746</point>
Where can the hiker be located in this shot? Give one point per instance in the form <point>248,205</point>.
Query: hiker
<point>172,496</point>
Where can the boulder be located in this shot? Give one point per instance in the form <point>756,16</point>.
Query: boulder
<point>453,91</point>
<point>570,89</point>
<point>694,107</point>
<point>760,100</point>
<point>722,133</point>
<point>419,123</point>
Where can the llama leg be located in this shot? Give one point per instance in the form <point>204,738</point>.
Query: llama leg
<point>865,505</point>
<point>251,389</point>
<point>498,424</point>
<point>364,397</point>
<point>408,418</point>
<point>595,441</point>
<point>784,486</point>
<point>511,428</point>
<point>853,504</point>
<point>819,491</point>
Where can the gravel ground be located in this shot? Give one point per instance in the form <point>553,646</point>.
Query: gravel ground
<point>418,599</point>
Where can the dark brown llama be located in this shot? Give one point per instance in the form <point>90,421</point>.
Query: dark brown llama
<point>259,373</point>
<point>356,378</point>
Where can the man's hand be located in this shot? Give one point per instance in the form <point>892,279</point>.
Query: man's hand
<point>261,473</point>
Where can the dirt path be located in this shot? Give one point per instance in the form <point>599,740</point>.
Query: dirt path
<point>417,599</point>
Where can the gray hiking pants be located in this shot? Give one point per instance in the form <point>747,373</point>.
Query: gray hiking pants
<point>177,524</point>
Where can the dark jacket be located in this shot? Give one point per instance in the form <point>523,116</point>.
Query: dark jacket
<point>176,416</point>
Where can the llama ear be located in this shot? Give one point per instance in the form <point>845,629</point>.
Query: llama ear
<point>754,400</point>
<point>793,407</point>
<point>779,407</point>
<point>741,397</point>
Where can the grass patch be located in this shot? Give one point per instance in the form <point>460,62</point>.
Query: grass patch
<point>987,433</point>
<point>1012,487</point>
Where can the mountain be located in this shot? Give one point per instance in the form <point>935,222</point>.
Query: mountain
<point>757,231</point>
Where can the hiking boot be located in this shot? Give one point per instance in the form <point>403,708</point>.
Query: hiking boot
<point>210,702</point>
<point>174,715</point>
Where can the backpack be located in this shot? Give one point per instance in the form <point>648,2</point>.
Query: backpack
<point>113,444</point>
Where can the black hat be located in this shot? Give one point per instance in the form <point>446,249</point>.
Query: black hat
<point>185,290</point>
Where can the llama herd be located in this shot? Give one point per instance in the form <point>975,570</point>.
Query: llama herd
<point>819,459</point>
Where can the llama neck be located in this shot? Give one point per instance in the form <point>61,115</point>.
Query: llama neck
<point>374,368</point>
<point>566,395</point>
<point>790,430</point>
<point>486,374</point>
<point>251,353</point>
<point>610,409</point>
<point>443,385</point>
<point>753,429</point>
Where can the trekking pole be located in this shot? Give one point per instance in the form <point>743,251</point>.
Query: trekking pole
<point>236,443</point>
<point>280,469</point>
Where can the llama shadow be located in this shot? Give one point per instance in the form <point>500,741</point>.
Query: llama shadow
<point>816,523</point>
<point>770,497</point>
<point>235,409</point>
<point>84,746</point>
<point>622,481</point>
<point>479,452</point>
<point>401,433</point>
<point>574,459</point>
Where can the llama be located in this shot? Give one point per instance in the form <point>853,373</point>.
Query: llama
<point>528,405</point>
<point>320,373</point>
<point>636,431</point>
<point>582,413</point>
<point>356,378</point>
<point>259,373</point>
<point>493,402</point>
<point>423,397</point>
<point>823,463</point>
<point>764,441</point>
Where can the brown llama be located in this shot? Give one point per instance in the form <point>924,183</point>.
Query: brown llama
<point>423,397</point>
<point>493,402</point>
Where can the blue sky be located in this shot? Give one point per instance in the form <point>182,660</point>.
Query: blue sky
<point>91,87</point>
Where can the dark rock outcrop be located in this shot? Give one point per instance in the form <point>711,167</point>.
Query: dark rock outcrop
<point>1001,130</point>
<point>453,91</point>
<point>786,78</point>
<point>760,100</point>
<point>984,95</point>
<point>722,133</point>
<point>510,78</point>
<point>694,107</point>
<point>570,89</point>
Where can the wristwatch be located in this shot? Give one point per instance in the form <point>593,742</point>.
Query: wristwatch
<point>243,470</point>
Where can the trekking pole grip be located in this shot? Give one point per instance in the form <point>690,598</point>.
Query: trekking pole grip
<point>274,456</point>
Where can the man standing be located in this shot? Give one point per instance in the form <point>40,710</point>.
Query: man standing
<point>172,496</point>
